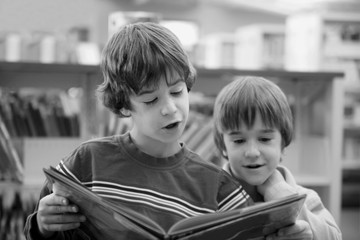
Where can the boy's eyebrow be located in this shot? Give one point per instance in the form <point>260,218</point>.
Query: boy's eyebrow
<point>237,132</point>
<point>145,91</point>
<point>232,133</point>
<point>268,130</point>
<point>176,82</point>
<point>148,91</point>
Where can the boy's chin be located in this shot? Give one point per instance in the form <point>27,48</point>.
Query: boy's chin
<point>257,182</point>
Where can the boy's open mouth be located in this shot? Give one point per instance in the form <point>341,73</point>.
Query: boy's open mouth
<point>254,166</point>
<point>172,125</point>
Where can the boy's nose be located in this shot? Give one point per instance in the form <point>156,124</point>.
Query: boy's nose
<point>252,151</point>
<point>168,108</point>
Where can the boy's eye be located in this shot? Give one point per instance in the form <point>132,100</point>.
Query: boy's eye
<point>239,141</point>
<point>178,92</point>
<point>265,139</point>
<point>151,101</point>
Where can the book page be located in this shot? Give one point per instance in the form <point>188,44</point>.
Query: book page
<point>105,220</point>
<point>254,221</point>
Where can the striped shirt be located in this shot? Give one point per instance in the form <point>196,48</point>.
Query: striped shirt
<point>164,189</point>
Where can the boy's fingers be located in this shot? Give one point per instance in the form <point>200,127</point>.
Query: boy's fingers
<point>298,227</point>
<point>300,230</point>
<point>59,190</point>
<point>64,219</point>
<point>64,209</point>
<point>57,204</point>
<point>57,200</point>
<point>51,200</point>
<point>62,227</point>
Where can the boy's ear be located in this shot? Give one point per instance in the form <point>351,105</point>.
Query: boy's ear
<point>224,154</point>
<point>125,112</point>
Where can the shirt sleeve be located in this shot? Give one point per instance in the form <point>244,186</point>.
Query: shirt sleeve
<point>231,194</point>
<point>321,222</point>
<point>31,229</point>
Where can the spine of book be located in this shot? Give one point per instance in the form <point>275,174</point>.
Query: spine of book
<point>201,134</point>
<point>38,120</point>
<point>28,114</point>
<point>5,113</point>
<point>11,151</point>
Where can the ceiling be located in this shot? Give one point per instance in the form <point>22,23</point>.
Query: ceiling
<point>286,7</point>
<point>282,7</point>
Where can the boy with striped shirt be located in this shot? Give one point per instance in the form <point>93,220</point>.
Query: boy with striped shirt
<point>147,77</point>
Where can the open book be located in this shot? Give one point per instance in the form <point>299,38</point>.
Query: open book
<point>106,220</point>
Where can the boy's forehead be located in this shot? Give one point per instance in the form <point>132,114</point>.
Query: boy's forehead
<point>243,129</point>
<point>169,80</point>
<point>246,120</point>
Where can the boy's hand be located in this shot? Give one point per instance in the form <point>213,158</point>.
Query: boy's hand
<point>273,180</point>
<point>56,214</point>
<point>270,185</point>
<point>300,230</point>
<point>275,187</point>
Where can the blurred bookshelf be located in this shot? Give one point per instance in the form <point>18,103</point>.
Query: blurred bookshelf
<point>314,93</point>
<point>215,51</point>
<point>47,110</point>
<point>330,41</point>
<point>321,41</point>
<point>260,46</point>
<point>314,157</point>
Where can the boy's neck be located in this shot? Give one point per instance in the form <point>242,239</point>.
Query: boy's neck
<point>156,148</point>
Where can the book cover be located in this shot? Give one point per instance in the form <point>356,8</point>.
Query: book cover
<point>107,220</point>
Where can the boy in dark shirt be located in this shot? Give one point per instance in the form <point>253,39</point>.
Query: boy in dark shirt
<point>147,76</point>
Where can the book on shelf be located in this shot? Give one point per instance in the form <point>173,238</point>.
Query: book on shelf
<point>207,148</point>
<point>202,133</point>
<point>113,124</point>
<point>39,114</point>
<point>19,119</point>
<point>351,148</point>
<point>107,220</point>
<point>10,162</point>
<point>49,121</point>
<point>6,117</point>
<point>192,126</point>
<point>35,122</point>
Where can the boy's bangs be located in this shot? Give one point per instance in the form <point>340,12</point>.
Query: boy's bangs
<point>162,67</point>
<point>155,54</point>
<point>245,110</point>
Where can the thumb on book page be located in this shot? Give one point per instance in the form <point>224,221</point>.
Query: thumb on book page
<point>60,190</point>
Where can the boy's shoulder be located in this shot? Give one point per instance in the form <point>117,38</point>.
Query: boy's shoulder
<point>108,145</point>
<point>198,160</point>
<point>81,161</point>
<point>102,141</point>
